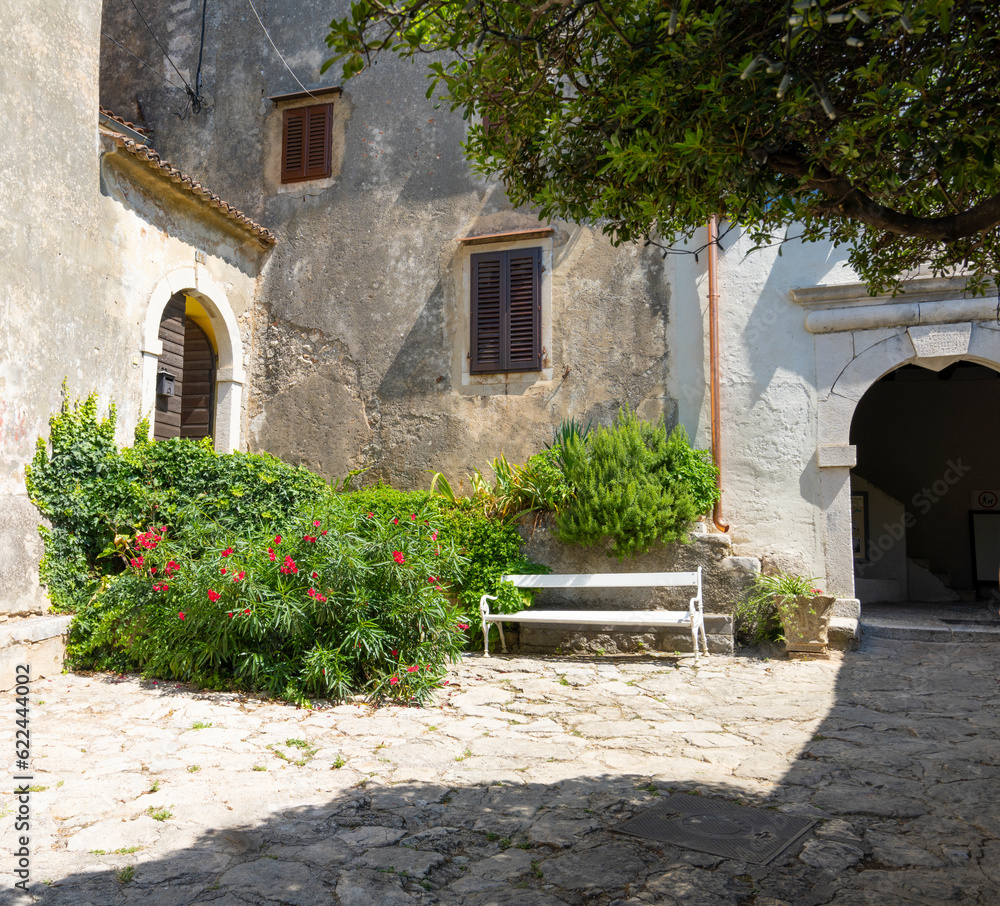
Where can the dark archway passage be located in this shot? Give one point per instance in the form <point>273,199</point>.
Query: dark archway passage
<point>927,445</point>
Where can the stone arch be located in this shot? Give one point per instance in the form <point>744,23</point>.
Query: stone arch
<point>230,375</point>
<point>932,346</point>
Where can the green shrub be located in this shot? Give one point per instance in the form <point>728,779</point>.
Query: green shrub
<point>635,485</point>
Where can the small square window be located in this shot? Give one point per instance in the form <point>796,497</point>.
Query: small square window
<point>305,143</point>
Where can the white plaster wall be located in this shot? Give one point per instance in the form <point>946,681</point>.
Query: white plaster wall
<point>770,473</point>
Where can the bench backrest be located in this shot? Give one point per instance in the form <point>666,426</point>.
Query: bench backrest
<point>608,580</point>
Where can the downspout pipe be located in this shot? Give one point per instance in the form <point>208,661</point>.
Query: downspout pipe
<point>713,352</point>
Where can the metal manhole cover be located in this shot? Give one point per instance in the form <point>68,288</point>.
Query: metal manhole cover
<point>720,828</point>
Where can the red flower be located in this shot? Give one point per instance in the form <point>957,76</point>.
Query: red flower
<point>230,614</point>
<point>136,562</point>
<point>289,566</point>
<point>171,567</point>
<point>227,552</point>
<point>371,515</point>
<point>152,569</point>
<point>434,536</point>
<point>413,517</point>
<point>395,521</point>
<point>213,596</point>
<point>463,626</point>
<point>223,570</point>
<point>323,532</point>
<point>180,615</point>
<point>816,591</point>
<point>277,539</point>
<point>444,682</point>
<point>239,576</point>
<point>398,557</point>
<point>393,681</point>
<point>247,610</point>
<point>316,524</point>
<point>412,669</point>
<point>310,538</point>
<point>315,575</point>
<point>394,652</point>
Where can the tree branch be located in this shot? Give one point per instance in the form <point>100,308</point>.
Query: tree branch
<point>847,200</point>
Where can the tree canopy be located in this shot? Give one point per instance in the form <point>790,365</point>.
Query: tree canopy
<point>874,123</point>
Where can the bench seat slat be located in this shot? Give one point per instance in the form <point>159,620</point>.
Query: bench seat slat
<point>605,580</point>
<point>597,617</point>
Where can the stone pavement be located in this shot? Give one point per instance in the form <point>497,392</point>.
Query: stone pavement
<point>507,791</point>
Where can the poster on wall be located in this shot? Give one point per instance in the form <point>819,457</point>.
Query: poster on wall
<point>859,526</point>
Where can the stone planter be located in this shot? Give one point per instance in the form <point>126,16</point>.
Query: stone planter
<point>806,623</point>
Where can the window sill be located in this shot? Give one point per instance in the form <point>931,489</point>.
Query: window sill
<point>507,378</point>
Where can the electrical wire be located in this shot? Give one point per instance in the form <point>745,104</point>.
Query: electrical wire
<point>278,52</point>
<point>201,50</point>
<point>143,62</point>
<point>195,99</point>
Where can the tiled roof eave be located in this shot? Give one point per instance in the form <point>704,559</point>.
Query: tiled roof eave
<point>153,160</point>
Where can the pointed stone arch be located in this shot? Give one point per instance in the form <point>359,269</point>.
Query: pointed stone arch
<point>230,376</point>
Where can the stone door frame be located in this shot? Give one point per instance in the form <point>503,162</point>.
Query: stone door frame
<point>230,375</point>
<point>859,339</point>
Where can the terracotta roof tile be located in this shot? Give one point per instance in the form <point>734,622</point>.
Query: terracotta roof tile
<point>153,160</point>
<point>142,130</point>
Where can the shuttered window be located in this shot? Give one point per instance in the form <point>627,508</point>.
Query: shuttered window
<point>305,144</point>
<point>506,311</point>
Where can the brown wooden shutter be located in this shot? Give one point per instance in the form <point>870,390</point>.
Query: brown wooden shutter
<point>305,143</point>
<point>293,145</point>
<point>506,311</point>
<point>318,141</point>
<point>525,310</point>
<point>487,312</point>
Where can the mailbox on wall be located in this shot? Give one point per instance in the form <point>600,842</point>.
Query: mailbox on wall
<point>164,384</point>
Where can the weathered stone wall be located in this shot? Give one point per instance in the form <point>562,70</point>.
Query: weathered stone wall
<point>359,359</point>
<point>86,242</point>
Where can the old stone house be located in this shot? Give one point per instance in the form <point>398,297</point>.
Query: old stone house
<point>318,273</point>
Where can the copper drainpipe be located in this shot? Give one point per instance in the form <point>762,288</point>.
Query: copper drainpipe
<point>713,346</point>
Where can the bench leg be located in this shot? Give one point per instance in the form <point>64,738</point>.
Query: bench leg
<point>503,641</point>
<point>704,638</point>
<point>486,638</point>
<point>694,638</point>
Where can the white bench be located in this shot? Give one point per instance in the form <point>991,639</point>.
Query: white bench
<point>692,618</point>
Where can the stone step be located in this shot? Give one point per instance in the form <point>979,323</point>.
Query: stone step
<point>37,642</point>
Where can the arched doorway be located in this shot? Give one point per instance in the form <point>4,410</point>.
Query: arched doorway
<point>925,489</point>
<point>185,386</point>
<point>199,310</point>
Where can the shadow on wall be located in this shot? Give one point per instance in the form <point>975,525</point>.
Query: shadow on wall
<point>901,775</point>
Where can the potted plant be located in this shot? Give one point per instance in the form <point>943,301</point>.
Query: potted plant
<point>803,609</point>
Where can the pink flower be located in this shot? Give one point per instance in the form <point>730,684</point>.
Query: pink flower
<point>393,681</point>
<point>289,566</point>
<point>816,591</point>
<point>227,552</point>
<point>213,596</point>
<point>316,524</point>
<point>398,557</point>
<point>277,539</point>
<point>413,517</point>
<point>270,553</point>
<point>412,669</point>
<point>180,615</point>
<point>434,536</point>
<point>371,515</point>
<point>444,682</point>
<point>463,626</point>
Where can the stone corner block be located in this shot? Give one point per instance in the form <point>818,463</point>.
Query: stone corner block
<point>831,456</point>
<point>847,607</point>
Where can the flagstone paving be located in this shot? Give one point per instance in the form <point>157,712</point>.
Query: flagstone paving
<point>508,789</point>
